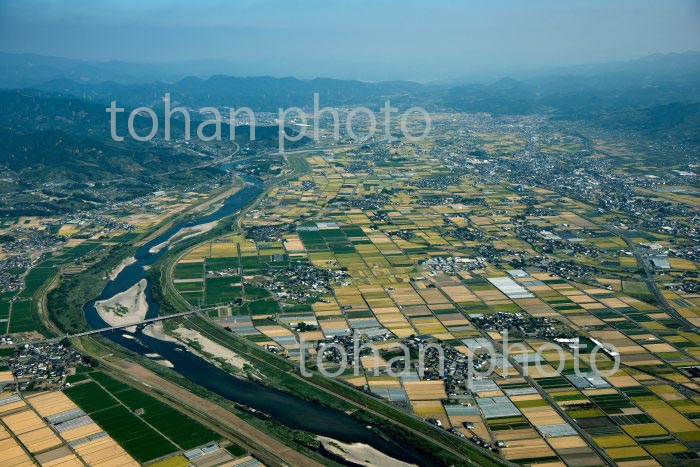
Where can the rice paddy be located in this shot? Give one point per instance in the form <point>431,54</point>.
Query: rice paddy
<point>145,427</point>
<point>406,238</point>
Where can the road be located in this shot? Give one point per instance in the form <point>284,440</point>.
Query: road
<point>265,447</point>
<point>174,294</point>
<point>550,400</point>
<point>303,380</point>
<point>649,280</point>
<point>111,328</point>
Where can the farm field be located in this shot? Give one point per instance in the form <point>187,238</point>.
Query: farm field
<point>400,249</point>
<point>52,428</point>
<point>23,318</point>
<point>145,427</point>
<point>45,248</point>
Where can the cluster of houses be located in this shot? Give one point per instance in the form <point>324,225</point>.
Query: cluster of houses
<point>43,366</point>
<point>302,281</point>
<point>523,325</point>
<point>453,264</point>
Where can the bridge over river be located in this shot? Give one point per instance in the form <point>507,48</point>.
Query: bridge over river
<point>128,325</point>
<point>112,328</point>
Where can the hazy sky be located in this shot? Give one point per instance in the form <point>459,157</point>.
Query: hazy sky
<point>364,39</point>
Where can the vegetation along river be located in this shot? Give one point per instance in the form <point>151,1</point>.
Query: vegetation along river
<point>294,412</point>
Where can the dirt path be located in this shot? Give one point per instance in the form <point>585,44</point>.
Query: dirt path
<point>42,306</point>
<point>222,417</point>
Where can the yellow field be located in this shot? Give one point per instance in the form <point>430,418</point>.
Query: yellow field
<point>48,448</point>
<point>626,452</point>
<point>425,390</point>
<point>177,461</point>
<point>614,441</point>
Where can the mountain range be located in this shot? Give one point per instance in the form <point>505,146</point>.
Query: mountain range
<point>632,95</point>
<point>54,98</point>
<point>55,135</point>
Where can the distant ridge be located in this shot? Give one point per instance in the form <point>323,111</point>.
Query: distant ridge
<point>641,95</point>
<point>29,70</point>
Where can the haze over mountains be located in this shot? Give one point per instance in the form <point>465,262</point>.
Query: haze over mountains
<point>175,212</point>
<point>644,94</point>
<point>54,99</point>
<point>98,80</point>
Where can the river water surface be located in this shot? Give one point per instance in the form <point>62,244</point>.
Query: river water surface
<point>284,408</point>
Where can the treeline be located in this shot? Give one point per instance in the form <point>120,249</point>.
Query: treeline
<point>66,302</point>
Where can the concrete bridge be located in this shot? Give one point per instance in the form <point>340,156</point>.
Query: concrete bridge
<point>128,325</point>
<point>111,328</point>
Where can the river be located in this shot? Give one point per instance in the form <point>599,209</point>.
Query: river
<point>285,408</point>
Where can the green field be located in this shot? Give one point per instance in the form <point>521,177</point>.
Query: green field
<point>157,430</point>
<point>219,264</point>
<point>178,427</point>
<point>21,318</point>
<point>189,271</point>
<point>222,289</point>
<point>35,279</point>
<point>4,312</point>
<point>132,433</point>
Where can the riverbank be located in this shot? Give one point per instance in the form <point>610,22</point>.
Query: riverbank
<point>197,208</point>
<point>126,262</point>
<point>199,344</point>
<point>295,395</point>
<point>185,234</point>
<point>360,454</point>
<point>270,450</point>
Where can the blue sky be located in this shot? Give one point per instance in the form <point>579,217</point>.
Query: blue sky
<point>363,39</point>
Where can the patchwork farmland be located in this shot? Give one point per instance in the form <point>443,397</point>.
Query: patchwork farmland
<point>400,250</point>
